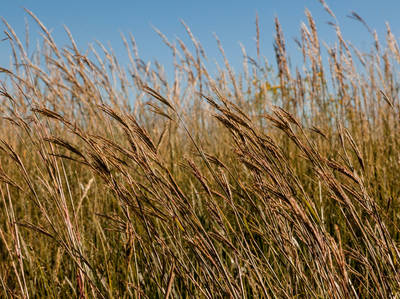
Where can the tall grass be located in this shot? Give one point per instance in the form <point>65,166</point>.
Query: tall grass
<point>275,182</point>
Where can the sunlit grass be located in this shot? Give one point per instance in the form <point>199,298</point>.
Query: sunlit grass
<point>117,181</point>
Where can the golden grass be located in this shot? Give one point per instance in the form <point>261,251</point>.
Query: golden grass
<point>274,182</point>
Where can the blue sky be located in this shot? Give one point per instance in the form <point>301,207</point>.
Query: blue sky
<point>233,21</point>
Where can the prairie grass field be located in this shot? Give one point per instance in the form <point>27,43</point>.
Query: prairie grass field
<point>278,180</point>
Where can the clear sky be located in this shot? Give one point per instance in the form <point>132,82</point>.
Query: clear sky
<point>233,21</point>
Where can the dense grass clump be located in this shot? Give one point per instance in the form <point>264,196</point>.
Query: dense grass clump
<point>276,182</point>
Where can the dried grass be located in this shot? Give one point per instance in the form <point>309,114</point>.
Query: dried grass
<point>275,183</point>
